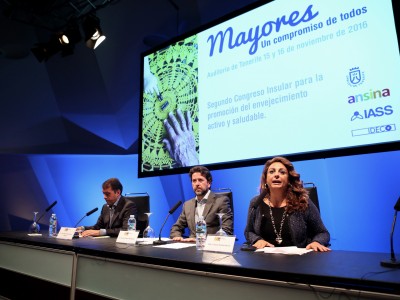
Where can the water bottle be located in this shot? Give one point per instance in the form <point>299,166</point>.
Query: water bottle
<point>201,233</point>
<point>131,223</point>
<point>53,226</point>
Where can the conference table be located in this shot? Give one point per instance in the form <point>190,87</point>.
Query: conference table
<point>87,268</point>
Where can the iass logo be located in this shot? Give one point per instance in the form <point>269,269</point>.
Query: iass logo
<point>372,113</point>
<point>355,77</point>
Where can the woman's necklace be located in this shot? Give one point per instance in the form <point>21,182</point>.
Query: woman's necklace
<point>278,236</point>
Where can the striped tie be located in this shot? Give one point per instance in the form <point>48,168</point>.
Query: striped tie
<point>112,207</point>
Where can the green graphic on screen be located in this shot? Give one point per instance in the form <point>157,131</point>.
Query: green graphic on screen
<point>176,70</point>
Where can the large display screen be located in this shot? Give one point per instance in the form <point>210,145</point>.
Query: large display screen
<point>302,79</point>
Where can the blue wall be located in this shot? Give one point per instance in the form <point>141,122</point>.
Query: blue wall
<point>356,193</point>
<point>72,122</point>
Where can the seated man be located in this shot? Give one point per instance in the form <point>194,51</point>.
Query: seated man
<point>205,203</point>
<point>114,214</point>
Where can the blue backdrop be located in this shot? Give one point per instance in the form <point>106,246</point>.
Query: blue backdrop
<point>356,193</point>
<point>72,122</point>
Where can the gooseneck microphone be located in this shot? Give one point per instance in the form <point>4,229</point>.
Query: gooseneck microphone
<point>47,209</point>
<point>392,263</point>
<point>259,199</point>
<point>247,246</point>
<point>171,211</point>
<point>87,214</point>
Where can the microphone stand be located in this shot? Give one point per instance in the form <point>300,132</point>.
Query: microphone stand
<point>392,263</point>
<point>172,210</point>
<point>87,214</point>
<point>47,209</point>
<point>76,235</point>
<point>79,221</point>
<point>159,241</point>
<point>247,246</point>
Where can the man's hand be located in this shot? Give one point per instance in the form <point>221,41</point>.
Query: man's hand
<point>180,142</point>
<point>90,233</point>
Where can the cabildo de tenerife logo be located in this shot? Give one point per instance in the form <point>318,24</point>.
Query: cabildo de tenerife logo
<point>355,77</point>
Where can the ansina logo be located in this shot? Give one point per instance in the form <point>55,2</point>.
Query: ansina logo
<point>355,77</point>
<point>254,35</point>
<point>368,96</point>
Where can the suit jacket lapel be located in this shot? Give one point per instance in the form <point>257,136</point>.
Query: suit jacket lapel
<point>209,204</point>
<point>117,210</point>
<point>191,218</point>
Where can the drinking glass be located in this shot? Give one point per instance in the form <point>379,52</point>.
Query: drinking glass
<point>148,232</point>
<point>220,231</point>
<point>35,227</point>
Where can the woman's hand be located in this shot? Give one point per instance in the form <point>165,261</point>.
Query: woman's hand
<point>317,247</point>
<point>261,244</point>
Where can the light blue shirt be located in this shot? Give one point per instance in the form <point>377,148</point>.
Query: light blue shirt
<point>200,206</point>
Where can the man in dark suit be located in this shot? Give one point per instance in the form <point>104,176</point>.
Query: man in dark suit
<point>114,214</point>
<point>205,203</point>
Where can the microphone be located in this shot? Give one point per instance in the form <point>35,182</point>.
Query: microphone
<point>246,246</point>
<point>392,263</point>
<point>397,205</point>
<point>87,214</point>
<point>47,209</point>
<point>259,199</point>
<point>171,211</point>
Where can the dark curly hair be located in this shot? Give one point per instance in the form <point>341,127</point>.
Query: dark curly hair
<point>297,195</point>
<point>203,171</point>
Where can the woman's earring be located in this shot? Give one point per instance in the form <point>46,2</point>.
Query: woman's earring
<point>265,186</point>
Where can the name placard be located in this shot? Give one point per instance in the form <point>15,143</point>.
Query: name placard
<point>127,237</point>
<point>66,233</point>
<point>218,243</point>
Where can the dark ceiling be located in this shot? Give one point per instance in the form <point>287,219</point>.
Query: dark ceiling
<point>53,15</point>
<point>47,17</point>
<point>86,102</point>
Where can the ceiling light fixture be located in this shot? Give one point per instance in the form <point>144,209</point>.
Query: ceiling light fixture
<point>93,34</point>
<point>63,39</point>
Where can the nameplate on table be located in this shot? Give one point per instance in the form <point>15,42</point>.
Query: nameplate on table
<point>218,243</point>
<point>128,237</point>
<point>66,233</point>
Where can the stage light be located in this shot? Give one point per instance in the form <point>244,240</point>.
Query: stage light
<point>64,41</point>
<point>63,38</point>
<point>69,38</point>
<point>93,34</point>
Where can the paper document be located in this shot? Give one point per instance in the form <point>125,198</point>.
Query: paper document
<point>292,250</point>
<point>99,237</point>
<point>176,245</point>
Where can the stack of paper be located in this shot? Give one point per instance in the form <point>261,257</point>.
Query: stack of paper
<point>293,250</point>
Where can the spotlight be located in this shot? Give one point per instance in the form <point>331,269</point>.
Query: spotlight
<point>64,40</point>
<point>69,38</point>
<point>93,33</point>
<point>72,34</point>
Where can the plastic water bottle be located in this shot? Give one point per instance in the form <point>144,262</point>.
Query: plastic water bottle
<point>131,223</point>
<point>53,226</point>
<point>201,233</point>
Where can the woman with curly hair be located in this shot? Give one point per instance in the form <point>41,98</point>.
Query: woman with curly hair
<point>284,215</point>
